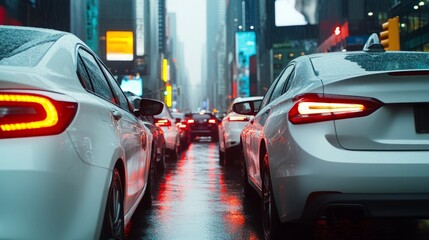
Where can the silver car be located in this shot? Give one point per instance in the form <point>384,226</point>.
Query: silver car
<point>341,134</point>
<point>75,158</point>
<point>230,129</point>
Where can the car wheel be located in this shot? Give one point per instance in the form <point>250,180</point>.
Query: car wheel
<point>161,162</point>
<point>174,154</point>
<point>270,219</point>
<point>113,223</point>
<point>221,157</point>
<point>246,188</point>
<point>147,198</point>
<point>215,137</point>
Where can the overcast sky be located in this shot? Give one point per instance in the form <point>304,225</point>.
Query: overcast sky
<point>191,23</point>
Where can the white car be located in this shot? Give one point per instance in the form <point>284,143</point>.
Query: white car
<point>75,159</point>
<point>171,132</point>
<point>339,135</point>
<point>230,129</point>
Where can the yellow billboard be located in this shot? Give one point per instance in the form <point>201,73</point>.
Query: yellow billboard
<point>119,46</point>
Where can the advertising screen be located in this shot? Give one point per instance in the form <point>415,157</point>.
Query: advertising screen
<point>119,46</point>
<point>295,12</point>
<point>246,47</point>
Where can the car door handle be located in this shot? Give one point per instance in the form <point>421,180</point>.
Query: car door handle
<point>116,114</point>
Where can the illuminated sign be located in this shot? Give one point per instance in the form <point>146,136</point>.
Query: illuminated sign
<point>119,46</point>
<point>295,12</point>
<point>245,48</point>
<point>139,28</point>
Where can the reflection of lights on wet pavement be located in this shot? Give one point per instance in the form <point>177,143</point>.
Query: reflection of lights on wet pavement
<point>194,199</point>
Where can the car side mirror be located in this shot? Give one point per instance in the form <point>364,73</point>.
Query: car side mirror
<point>150,107</point>
<point>245,108</point>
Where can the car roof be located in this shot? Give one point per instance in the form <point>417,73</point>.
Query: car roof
<point>339,64</point>
<point>17,39</point>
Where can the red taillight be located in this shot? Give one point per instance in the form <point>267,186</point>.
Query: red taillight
<point>314,107</point>
<point>190,121</point>
<point>27,115</point>
<point>163,122</point>
<point>212,121</point>
<point>182,125</point>
<point>238,118</point>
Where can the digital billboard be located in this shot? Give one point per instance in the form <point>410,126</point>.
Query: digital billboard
<point>134,85</point>
<point>296,12</point>
<point>245,48</point>
<point>119,46</point>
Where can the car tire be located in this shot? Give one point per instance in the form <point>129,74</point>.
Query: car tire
<point>221,158</point>
<point>161,162</point>
<point>246,188</point>
<point>113,223</point>
<point>270,220</point>
<point>215,137</point>
<point>174,154</point>
<point>147,198</point>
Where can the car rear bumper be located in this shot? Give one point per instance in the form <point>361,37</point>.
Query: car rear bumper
<point>48,192</point>
<point>313,166</point>
<point>337,206</point>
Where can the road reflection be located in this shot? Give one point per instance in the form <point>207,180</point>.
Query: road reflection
<point>196,198</point>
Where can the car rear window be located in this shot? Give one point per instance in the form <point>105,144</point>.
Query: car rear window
<point>359,63</point>
<point>201,116</point>
<point>24,47</point>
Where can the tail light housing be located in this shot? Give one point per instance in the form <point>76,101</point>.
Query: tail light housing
<point>182,125</point>
<point>190,121</point>
<point>28,115</point>
<point>212,121</point>
<point>312,107</point>
<point>163,122</point>
<point>238,118</point>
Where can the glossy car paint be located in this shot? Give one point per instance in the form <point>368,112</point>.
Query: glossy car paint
<point>379,157</point>
<point>55,187</point>
<point>230,130</point>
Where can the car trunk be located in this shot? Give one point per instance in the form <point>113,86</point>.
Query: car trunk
<point>402,123</point>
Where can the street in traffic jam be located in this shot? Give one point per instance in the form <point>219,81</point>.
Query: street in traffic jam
<point>214,119</point>
<point>197,198</point>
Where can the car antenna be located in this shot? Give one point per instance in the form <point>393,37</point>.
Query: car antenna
<point>373,44</point>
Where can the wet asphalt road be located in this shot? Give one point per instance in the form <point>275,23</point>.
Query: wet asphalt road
<point>196,198</point>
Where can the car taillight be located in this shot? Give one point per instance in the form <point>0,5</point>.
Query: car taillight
<point>238,118</point>
<point>28,115</point>
<point>312,107</point>
<point>190,121</point>
<point>163,122</point>
<point>212,121</point>
<point>182,125</point>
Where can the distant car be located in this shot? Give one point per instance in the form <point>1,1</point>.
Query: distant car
<point>203,124</point>
<point>341,135</point>
<point>171,132</point>
<point>230,129</point>
<point>184,129</point>
<point>75,158</point>
<point>158,144</point>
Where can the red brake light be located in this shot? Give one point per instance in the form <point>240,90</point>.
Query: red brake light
<point>314,107</point>
<point>163,122</point>
<point>27,115</point>
<point>238,118</point>
<point>191,121</point>
<point>212,121</point>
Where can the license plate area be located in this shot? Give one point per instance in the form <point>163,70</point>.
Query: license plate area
<point>421,117</point>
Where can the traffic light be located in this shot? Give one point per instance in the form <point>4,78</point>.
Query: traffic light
<point>389,36</point>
